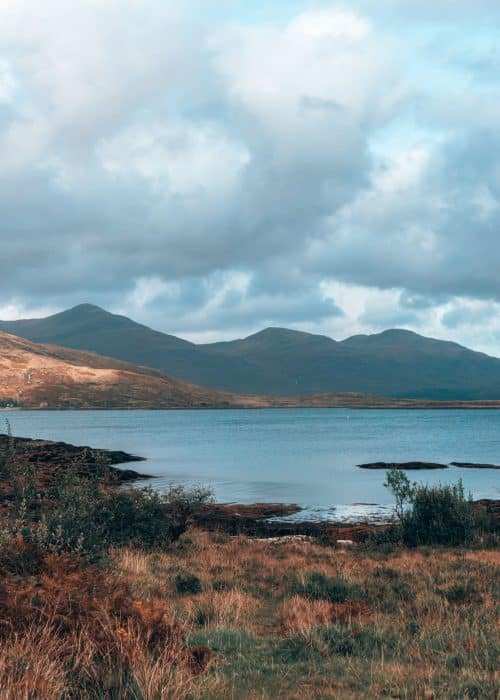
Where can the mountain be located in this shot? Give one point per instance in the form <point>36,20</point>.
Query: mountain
<point>33,375</point>
<point>279,361</point>
<point>90,328</point>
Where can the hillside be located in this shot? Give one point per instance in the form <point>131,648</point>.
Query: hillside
<point>281,362</point>
<point>90,328</point>
<point>45,376</point>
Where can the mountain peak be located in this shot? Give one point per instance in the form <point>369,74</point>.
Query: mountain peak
<point>388,334</point>
<point>87,307</point>
<point>399,333</point>
<point>84,310</point>
<point>278,332</point>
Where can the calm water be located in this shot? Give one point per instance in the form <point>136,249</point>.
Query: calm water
<point>302,456</point>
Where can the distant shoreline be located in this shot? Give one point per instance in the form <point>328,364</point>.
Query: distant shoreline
<point>389,405</point>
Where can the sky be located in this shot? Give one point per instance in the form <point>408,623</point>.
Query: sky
<point>213,168</point>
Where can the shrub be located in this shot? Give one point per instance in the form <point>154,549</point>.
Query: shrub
<point>80,516</point>
<point>181,503</point>
<point>187,584</point>
<point>463,594</point>
<point>433,515</point>
<point>137,517</point>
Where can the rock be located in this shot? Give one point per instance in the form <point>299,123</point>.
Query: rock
<point>472,465</point>
<point>50,460</point>
<point>403,465</point>
<point>299,539</point>
<point>129,475</point>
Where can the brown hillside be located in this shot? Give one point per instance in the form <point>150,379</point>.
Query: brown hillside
<point>38,376</point>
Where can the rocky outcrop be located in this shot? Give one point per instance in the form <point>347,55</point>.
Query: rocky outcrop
<point>403,465</point>
<point>473,465</point>
<point>52,459</point>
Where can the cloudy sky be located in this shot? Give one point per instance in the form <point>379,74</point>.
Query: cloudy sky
<point>211,168</point>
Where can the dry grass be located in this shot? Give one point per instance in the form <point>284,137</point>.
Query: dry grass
<point>299,614</point>
<point>405,638</point>
<point>75,628</point>
<point>411,624</point>
<point>222,609</point>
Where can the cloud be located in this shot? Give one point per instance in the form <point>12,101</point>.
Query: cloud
<point>427,223</point>
<point>211,175</point>
<point>453,11</point>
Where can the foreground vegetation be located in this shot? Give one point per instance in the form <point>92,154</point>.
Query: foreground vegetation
<point>216,617</point>
<point>110,593</point>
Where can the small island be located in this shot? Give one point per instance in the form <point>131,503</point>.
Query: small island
<point>403,465</point>
<point>473,465</point>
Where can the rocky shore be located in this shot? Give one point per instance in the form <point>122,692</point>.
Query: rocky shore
<point>50,459</point>
<point>267,520</point>
<point>473,465</point>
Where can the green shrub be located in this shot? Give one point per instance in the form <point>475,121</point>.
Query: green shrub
<point>187,584</point>
<point>137,517</point>
<point>433,515</point>
<point>463,594</point>
<point>73,518</point>
<point>80,516</point>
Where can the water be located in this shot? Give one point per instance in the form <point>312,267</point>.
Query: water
<point>304,456</point>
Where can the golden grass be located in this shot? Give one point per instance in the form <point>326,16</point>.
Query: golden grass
<point>405,601</point>
<point>221,609</point>
<point>126,632</point>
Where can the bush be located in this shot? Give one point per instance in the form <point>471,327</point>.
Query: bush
<point>187,584</point>
<point>82,517</point>
<point>467,594</point>
<point>433,515</point>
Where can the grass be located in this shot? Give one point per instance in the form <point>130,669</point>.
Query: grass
<point>216,616</point>
<point>297,620</point>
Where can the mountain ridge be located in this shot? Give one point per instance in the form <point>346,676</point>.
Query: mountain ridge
<point>280,361</point>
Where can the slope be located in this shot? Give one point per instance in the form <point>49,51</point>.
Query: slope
<point>279,361</point>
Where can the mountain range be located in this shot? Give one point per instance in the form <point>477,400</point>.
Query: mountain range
<point>278,361</point>
<point>33,375</point>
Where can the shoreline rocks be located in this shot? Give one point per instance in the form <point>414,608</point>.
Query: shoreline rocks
<point>416,465</point>
<point>403,465</point>
<point>263,520</point>
<point>51,459</point>
<point>473,465</point>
